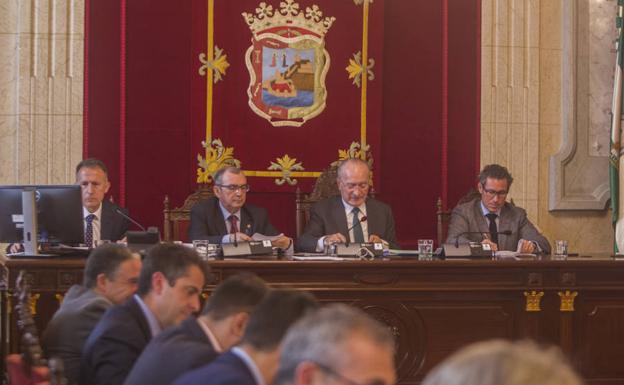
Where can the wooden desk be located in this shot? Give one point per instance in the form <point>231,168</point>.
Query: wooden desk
<point>432,308</point>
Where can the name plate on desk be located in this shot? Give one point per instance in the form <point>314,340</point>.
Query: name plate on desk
<point>360,250</point>
<point>465,250</point>
<point>245,249</point>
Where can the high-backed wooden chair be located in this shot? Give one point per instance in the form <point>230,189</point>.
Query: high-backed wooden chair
<point>324,187</point>
<point>177,220</point>
<point>30,367</point>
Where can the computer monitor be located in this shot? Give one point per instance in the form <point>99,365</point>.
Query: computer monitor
<point>58,216</point>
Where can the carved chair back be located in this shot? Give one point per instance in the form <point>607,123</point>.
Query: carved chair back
<point>177,220</point>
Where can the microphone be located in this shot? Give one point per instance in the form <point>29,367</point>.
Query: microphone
<point>504,232</point>
<point>118,211</point>
<point>363,219</point>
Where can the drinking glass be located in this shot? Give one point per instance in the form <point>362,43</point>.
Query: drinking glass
<point>425,249</point>
<point>561,250</point>
<point>201,247</point>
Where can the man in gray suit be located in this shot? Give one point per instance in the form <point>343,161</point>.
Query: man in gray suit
<point>493,221</point>
<point>110,277</point>
<point>350,217</point>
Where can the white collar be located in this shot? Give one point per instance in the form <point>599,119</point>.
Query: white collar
<point>97,213</point>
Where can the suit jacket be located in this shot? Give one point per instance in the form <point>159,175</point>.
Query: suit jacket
<point>328,217</point>
<point>114,345</point>
<point>207,221</point>
<point>70,327</point>
<point>114,226</point>
<point>227,369</point>
<point>172,353</point>
<point>469,217</point>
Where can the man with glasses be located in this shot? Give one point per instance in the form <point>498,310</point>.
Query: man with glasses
<point>227,218</point>
<point>351,216</point>
<point>337,344</point>
<point>492,220</point>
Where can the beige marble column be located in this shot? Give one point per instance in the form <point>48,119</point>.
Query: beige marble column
<point>521,114</point>
<point>41,90</point>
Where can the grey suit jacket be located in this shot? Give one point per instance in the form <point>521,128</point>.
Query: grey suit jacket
<point>114,226</point>
<point>172,353</point>
<point>328,217</point>
<point>468,217</point>
<point>70,327</point>
<point>207,221</point>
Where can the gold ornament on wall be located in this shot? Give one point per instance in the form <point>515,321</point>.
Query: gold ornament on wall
<point>286,165</point>
<point>217,156</point>
<point>218,65</point>
<point>355,69</point>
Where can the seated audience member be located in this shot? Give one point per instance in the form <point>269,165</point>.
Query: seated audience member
<point>101,221</point>
<point>226,217</point>
<point>171,279</point>
<point>337,344</point>
<point>499,362</point>
<point>254,361</point>
<point>110,277</point>
<point>198,341</point>
<point>339,219</point>
<point>482,220</point>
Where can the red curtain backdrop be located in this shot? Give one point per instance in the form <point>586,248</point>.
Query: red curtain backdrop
<point>408,107</point>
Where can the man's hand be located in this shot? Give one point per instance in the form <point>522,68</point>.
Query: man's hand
<point>526,247</point>
<point>493,245</point>
<point>15,248</point>
<point>240,237</point>
<point>335,238</point>
<point>374,238</point>
<point>282,242</point>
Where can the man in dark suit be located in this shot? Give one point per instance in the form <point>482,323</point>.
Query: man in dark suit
<point>171,279</point>
<point>198,341</point>
<point>110,277</point>
<point>100,216</point>
<point>350,217</point>
<point>485,218</point>
<point>254,361</point>
<point>338,344</point>
<point>226,217</point>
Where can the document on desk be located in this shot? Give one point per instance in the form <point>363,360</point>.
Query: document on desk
<point>503,255</point>
<point>262,237</point>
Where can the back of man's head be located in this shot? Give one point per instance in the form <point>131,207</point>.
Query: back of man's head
<point>172,260</point>
<point>322,338</point>
<point>271,319</point>
<point>239,293</point>
<point>500,362</point>
<point>105,259</point>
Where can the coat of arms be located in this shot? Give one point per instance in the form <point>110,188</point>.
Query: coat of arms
<point>287,62</point>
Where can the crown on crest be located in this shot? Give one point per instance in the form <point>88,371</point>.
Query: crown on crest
<point>290,15</point>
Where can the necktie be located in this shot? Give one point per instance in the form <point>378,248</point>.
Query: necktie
<point>89,231</point>
<point>493,229</point>
<point>233,224</point>
<point>358,234</point>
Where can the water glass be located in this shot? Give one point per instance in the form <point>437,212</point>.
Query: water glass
<point>425,249</point>
<point>201,247</point>
<point>330,247</point>
<point>561,250</point>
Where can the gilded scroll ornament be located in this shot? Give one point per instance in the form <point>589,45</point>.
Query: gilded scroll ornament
<point>355,69</point>
<point>33,303</point>
<point>356,150</point>
<point>533,300</point>
<point>217,156</point>
<point>218,65</point>
<point>287,62</point>
<point>286,165</point>
<point>567,300</point>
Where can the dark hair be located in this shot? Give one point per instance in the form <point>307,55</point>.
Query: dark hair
<point>105,259</point>
<point>238,293</point>
<point>220,172</point>
<point>92,163</point>
<point>495,171</point>
<point>172,260</point>
<point>274,315</point>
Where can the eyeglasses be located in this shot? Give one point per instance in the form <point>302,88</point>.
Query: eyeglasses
<point>493,193</point>
<point>235,187</point>
<point>344,379</point>
<point>353,186</point>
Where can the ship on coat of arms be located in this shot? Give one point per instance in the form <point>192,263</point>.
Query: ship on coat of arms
<point>287,62</point>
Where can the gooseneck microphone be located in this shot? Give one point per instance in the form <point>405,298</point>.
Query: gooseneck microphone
<point>359,223</point>
<point>504,232</point>
<point>118,211</point>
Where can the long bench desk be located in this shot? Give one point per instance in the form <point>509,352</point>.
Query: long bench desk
<point>432,308</point>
